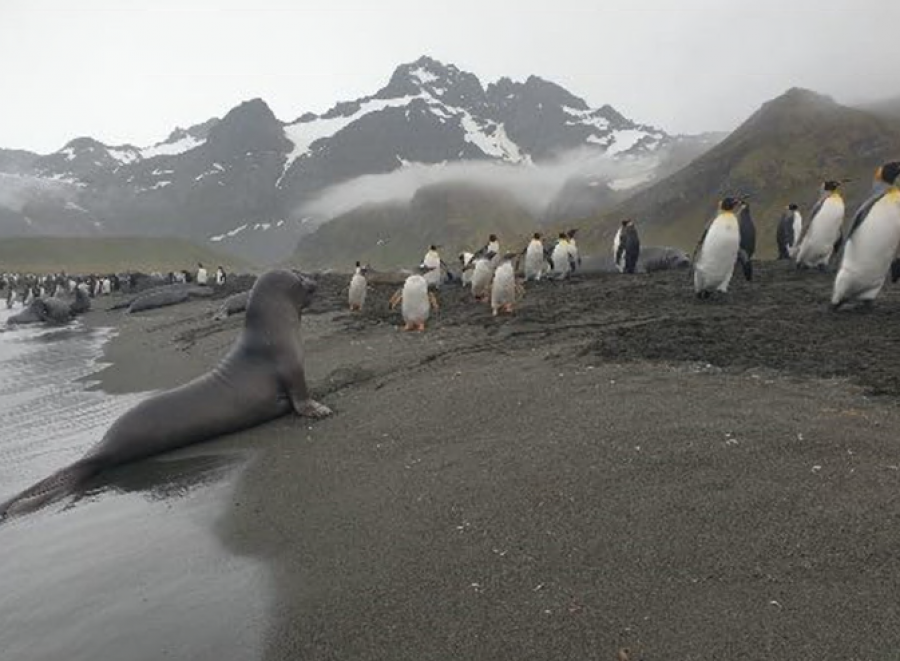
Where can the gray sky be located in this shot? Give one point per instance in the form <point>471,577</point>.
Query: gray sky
<point>126,71</point>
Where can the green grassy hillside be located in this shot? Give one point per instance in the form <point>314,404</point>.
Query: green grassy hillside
<point>107,255</point>
<point>779,155</point>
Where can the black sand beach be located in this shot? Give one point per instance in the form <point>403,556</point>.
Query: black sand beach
<point>617,465</point>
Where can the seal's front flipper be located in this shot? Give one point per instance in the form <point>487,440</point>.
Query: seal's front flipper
<point>310,408</point>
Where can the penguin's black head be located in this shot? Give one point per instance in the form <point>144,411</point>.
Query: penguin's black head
<point>537,236</point>
<point>728,204</point>
<point>492,237</point>
<point>358,264</point>
<point>625,222</point>
<point>432,247</point>
<point>571,233</point>
<point>831,185</point>
<point>888,172</point>
<point>562,235</point>
<point>792,207</point>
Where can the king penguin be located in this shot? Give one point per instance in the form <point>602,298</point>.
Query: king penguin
<point>504,287</point>
<point>358,287</point>
<point>822,234</point>
<point>573,249</point>
<point>748,238</point>
<point>482,273</point>
<point>789,227</point>
<point>465,258</point>
<point>628,250</point>
<point>534,258</point>
<point>717,251</point>
<point>415,299</point>
<point>432,261</point>
<point>561,258</point>
<point>872,241</point>
<point>617,243</point>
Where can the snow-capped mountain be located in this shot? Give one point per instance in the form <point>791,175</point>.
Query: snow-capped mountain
<point>241,182</point>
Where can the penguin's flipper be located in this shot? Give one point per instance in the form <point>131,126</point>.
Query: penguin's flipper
<point>396,298</point>
<point>895,270</point>
<point>746,264</point>
<point>699,246</point>
<point>861,214</point>
<point>620,250</point>
<point>838,244</point>
<point>572,263</point>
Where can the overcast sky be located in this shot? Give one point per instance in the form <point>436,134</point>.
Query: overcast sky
<point>128,72</point>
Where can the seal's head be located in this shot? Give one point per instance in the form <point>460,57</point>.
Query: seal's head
<point>292,285</point>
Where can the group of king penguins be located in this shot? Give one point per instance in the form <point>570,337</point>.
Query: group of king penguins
<point>867,254</point>
<point>490,273</point>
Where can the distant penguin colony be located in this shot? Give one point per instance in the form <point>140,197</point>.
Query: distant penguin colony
<point>868,254</point>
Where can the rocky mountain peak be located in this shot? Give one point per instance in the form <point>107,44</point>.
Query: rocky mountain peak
<point>442,81</point>
<point>249,127</point>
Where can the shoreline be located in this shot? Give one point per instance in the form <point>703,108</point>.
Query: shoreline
<point>569,481</point>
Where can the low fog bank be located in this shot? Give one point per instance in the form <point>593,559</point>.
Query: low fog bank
<point>17,190</point>
<point>534,186</point>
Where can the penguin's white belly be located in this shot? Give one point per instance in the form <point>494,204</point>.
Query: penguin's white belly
<point>869,252</point>
<point>560,259</point>
<point>718,255</point>
<point>357,290</point>
<point>798,228</point>
<point>824,229</point>
<point>534,261</point>
<point>415,306</point>
<point>503,291</point>
<point>481,279</point>
<point>433,278</point>
<point>617,241</point>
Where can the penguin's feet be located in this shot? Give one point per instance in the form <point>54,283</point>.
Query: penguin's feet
<point>703,295</point>
<point>508,308</point>
<point>409,326</point>
<point>420,327</point>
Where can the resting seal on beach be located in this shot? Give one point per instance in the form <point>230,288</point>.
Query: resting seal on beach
<point>52,310</point>
<point>261,378</point>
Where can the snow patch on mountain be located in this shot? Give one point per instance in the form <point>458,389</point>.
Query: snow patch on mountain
<point>303,134</point>
<point>124,155</point>
<point>180,146</point>
<point>492,140</point>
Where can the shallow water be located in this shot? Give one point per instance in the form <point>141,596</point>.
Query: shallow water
<point>134,570</point>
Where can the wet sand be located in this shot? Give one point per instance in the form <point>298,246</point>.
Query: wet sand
<point>617,465</point>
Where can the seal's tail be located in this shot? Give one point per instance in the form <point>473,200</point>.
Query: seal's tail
<point>49,490</point>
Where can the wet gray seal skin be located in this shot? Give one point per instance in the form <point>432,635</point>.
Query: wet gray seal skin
<point>159,299</point>
<point>173,289</point>
<point>46,310</point>
<point>652,258</point>
<point>234,304</point>
<point>261,378</point>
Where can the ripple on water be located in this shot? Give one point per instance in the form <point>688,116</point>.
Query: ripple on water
<point>49,419</point>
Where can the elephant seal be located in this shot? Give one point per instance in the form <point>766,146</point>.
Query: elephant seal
<point>52,310</point>
<point>261,378</point>
<point>47,310</point>
<point>664,258</point>
<point>157,299</point>
<point>234,304</point>
<point>651,259</point>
